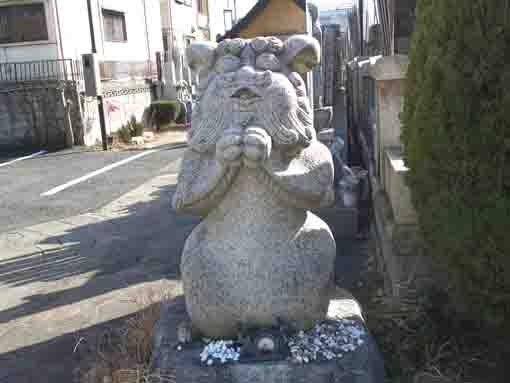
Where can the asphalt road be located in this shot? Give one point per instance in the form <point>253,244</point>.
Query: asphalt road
<point>23,183</point>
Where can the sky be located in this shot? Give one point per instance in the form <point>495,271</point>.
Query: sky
<point>333,4</point>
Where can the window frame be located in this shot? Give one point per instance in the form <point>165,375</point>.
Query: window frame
<point>105,12</point>
<point>45,35</point>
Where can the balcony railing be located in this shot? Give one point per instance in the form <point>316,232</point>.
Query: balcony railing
<point>43,70</point>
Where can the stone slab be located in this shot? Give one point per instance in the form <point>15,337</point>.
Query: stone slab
<point>386,68</point>
<point>364,365</point>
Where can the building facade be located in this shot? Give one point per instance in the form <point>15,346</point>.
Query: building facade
<point>44,40</point>
<point>125,31</point>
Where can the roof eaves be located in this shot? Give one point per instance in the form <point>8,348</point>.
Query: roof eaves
<point>251,15</point>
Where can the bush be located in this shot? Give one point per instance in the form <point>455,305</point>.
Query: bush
<point>456,132</point>
<point>133,128</point>
<point>165,114</point>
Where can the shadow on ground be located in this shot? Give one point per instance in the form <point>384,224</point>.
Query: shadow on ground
<point>92,260</point>
<point>140,246</point>
<point>150,238</point>
<point>56,360</point>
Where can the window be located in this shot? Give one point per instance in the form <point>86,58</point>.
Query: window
<point>114,24</point>
<point>228,19</point>
<point>23,23</point>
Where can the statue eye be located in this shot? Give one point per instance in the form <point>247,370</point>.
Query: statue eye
<point>228,63</point>
<point>268,61</point>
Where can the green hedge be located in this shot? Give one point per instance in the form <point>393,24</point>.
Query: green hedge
<point>166,113</point>
<point>456,132</point>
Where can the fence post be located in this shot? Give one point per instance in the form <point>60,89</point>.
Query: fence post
<point>159,66</point>
<point>64,63</point>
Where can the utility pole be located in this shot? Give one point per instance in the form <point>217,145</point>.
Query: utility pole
<point>100,104</point>
<point>361,11</point>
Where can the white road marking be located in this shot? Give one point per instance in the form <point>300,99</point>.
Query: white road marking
<point>23,158</point>
<point>96,173</point>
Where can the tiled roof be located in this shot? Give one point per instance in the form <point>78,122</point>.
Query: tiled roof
<point>252,14</point>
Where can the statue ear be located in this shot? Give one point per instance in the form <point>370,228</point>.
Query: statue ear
<point>301,53</point>
<point>314,11</point>
<point>200,56</point>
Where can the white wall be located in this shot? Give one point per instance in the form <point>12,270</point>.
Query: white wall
<point>74,30</point>
<point>217,23</point>
<point>135,48</point>
<point>118,110</point>
<point>183,17</point>
<point>74,21</point>
<point>216,8</point>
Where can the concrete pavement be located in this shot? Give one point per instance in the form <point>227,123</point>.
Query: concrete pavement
<point>69,278</point>
<point>23,183</point>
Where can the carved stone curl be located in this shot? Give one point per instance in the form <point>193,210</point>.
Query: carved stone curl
<point>252,170</point>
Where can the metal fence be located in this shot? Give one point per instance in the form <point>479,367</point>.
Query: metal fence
<point>43,70</point>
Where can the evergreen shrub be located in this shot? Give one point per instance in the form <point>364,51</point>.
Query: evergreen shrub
<point>166,113</point>
<point>456,132</point>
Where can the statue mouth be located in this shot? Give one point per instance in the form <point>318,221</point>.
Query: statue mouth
<point>245,93</point>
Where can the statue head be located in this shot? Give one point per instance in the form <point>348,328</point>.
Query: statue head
<point>253,82</point>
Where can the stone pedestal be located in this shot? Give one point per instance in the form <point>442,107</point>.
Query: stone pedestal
<point>396,225</point>
<point>323,118</point>
<point>389,73</point>
<point>364,365</point>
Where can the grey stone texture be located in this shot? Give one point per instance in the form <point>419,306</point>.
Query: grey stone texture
<point>364,365</point>
<point>38,115</point>
<point>323,118</point>
<point>253,169</point>
<point>330,65</point>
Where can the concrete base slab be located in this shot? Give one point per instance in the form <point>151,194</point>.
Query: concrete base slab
<point>364,365</point>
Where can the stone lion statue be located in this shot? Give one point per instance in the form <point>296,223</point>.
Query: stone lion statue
<point>253,170</point>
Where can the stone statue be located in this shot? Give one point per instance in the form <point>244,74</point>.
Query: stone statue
<point>346,181</point>
<point>252,170</point>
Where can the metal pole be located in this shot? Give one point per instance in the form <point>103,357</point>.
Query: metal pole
<point>100,105</point>
<point>361,27</point>
<point>159,66</point>
<point>91,27</point>
<point>102,122</point>
<point>147,40</point>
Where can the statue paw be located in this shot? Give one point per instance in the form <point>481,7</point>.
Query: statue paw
<point>229,150</point>
<point>257,147</point>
